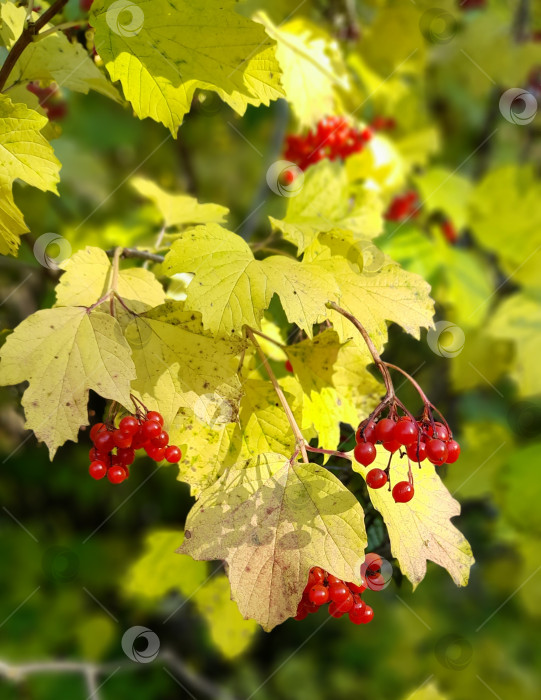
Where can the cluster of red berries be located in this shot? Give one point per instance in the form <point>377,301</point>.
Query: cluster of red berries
<point>50,100</point>
<point>423,439</point>
<point>342,597</point>
<point>114,448</point>
<point>332,138</point>
<point>404,206</point>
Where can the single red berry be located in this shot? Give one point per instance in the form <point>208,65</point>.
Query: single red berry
<point>117,474</point>
<point>93,454</point>
<point>417,453</point>
<point>335,611</point>
<point>319,594</point>
<point>384,429</point>
<point>436,451</point>
<point>104,441</point>
<point>122,439</point>
<point>391,445</point>
<point>97,470</point>
<point>366,615</point>
<point>95,429</point>
<point>289,366</point>
<point>364,453</point>
<point>129,425</point>
<point>333,580</point>
<point>302,612</point>
<point>357,610</point>
<point>173,454</point>
<point>366,432</point>
<point>441,432</point>
<point>161,440</point>
<point>317,574</point>
<point>125,456</point>
<point>376,478</point>
<point>358,589</point>
<point>338,592</point>
<point>155,416</point>
<point>453,451</point>
<point>150,429</point>
<point>138,440</point>
<point>155,453</point>
<point>403,492</point>
<point>405,432</point>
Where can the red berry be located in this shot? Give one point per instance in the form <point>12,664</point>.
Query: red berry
<point>436,451</point>
<point>384,429</point>
<point>117,474</point>
<point>417,454</point>
<point>155,453</point>
<point>155,416</point>
<point>138,440</point>
<point>372,564</point>
<point>302,612</point>
<point>317,574</point>
<point>366,615</point>
<point>366,432</point>
<point>453,451</point>
<point>104,441</point>
<point>405,432</point>
<point>403,492</point>
<point>441,432</point>
<point>319,594</point>
<point>122,439</point>
<point>391,445</point>
<point>333,580</point>
<point>161,440</point>
<point>95,429</point>
<point>364,453</point>
<point>129,425</point>
<point>376,478</point>
<point>125,456</point>
<point>358,589</point>
<point>289,366</point>
<point>173,454</point>
<point>355,614</point>
<point>150,429</point>
<point>97,470</point>
<point>338,592</point>
<point>335,611</point>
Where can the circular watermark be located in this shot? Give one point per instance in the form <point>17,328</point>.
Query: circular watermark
<point>214,410</point>
<point>60,564</point>
<point>125,18</point>
<point>377,571</point>
<point>373,258</point>
<point>525,419</point>
<point>285,178</point>
<point>51,249</point>
<point>453,652</point>
<point>437,25</point>
<point>446,339</point>
<point>140,644</point>
<point>138,333</point>
<point>518,106</point>
<point>208,102</point>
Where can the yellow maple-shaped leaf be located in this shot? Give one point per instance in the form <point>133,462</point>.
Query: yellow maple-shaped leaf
<point>386,294</point>
<point>179,209</point>
<point>231,288</point>
<point>518,319</point>
<point>272,521</point>
<point>421,530</point>
<point>163,51</point>
<point>27,156</point>
<point>53,58</point>
<point>312,67</point>
<point>63,353</point>
<point>87,277</point>
<point>180,366</point>
<point>328,201</point>
<point>207,449</point>
<point>229,631</point>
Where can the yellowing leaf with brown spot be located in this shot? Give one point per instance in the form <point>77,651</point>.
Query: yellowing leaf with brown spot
<point>63,353</point>
<point>421,530</point>
<point>272,521</point>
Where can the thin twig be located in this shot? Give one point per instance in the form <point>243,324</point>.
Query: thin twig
<point>271,340</point>
<point>301,442</point>
<point>60,28</point>
<point>114,279</point>
<point>135,253</point>
<point>334,453</point>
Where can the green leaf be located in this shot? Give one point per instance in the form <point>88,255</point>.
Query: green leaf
<point>162,52</point>
<point>312,67</point>
<point>328,201</point>
<point>520,489</point>
<point>87,277</point>
<point>179,209</point>
<point>444,191</point>
<point>421,530</point>
<point>63,353</point>
<point>53,58</point>
<point>272,521</point>
<point>518,318</point>
<point>231,288</point>
<point>27,156</point>
<point>178,365</point>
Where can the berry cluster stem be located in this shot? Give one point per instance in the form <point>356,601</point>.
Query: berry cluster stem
<point>301,442</point>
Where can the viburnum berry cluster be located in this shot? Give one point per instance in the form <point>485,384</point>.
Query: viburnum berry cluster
<point>114,448</point>
<point>50,99</point>
<point>342,597</point>
<point>404,206</point>
<point>333,137</point>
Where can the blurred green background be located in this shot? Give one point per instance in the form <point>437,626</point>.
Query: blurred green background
<point>69,546</point>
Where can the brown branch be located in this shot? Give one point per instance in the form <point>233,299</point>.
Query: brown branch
<point>29,32</point>
<point>135,253</point>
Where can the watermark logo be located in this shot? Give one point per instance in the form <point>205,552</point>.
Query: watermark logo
<point>438,26</point>
<point>518,106</point>
<point>446,339</point>
<point>453,652</point>
<point>125,18</point>
<point>60,564</point>
<point>140,644</point>
<point>51,249</point>
<point>214,410</point>
<point>285,178</point>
